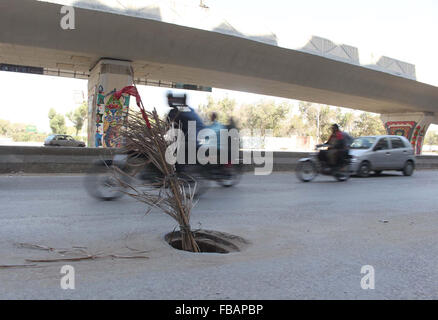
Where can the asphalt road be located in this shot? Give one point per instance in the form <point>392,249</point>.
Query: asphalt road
<point>308,240</point>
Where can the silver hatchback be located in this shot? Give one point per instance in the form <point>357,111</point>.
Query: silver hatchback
<point>62,140</point>
<point>379,153</point>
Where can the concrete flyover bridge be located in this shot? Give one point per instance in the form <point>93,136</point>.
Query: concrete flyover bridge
<point>170,42</point>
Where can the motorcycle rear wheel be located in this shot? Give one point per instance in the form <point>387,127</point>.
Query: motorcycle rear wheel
<point>230,176</point>
<point>103,186</point>
<point>343,174</point>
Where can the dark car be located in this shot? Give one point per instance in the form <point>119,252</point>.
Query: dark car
<point>63,140</point>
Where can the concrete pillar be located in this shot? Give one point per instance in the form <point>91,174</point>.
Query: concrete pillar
<point>105,117</point>
<point>411,125</point>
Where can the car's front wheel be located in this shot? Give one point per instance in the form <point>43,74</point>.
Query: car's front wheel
<point>408,169</point>
<point>364,169</point>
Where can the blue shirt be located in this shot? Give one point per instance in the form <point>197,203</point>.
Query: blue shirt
<point>217,127</point>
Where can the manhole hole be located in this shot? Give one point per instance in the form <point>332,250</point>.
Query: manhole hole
<point>210,241</point>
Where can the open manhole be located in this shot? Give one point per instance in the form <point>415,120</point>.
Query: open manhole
<point>210,241</point>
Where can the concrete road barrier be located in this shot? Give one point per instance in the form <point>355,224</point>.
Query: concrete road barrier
<point>18,159</point>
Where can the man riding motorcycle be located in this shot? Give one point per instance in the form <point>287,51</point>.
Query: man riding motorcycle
<point>337,147</point>
<point>181,115</point>
<point>334,161</point>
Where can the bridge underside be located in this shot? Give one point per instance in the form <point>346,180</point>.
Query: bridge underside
<point>348,88</point>
<point>169,53</point>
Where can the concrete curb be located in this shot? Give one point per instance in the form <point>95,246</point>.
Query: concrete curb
<point>14,159</point>
<point>50,159</point>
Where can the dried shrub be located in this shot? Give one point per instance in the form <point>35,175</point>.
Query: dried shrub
<point>146,136</point>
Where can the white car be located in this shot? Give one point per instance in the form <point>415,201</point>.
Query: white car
<point>379,153</point>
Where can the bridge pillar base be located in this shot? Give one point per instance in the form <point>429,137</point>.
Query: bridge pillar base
<point>410,125</point>
<point>105,118</point>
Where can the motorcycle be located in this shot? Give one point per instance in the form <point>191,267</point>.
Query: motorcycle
<point>308,168</point>
<point>104,177</point>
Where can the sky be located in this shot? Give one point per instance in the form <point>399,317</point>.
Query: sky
<point>401,29</point>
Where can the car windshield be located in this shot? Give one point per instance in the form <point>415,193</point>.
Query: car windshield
<point>363,143</point>
<point>49,138</point>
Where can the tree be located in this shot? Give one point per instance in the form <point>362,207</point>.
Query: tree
<point>78,117</point>
<point>264,115</point>
<point>19,132</point>
<point>57,122</point>
<point>293,125</point>
<point>431,138</point>
<point>224,108</point>
<point>368,125</point>
<point>310,119</point>
<point>52,113</point>
<point>319,119</point>
<point>5,127</point>
<point>346,120</point>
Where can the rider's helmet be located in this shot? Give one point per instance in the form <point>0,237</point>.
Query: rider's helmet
<point>181,114</point>
<point>175,101</point>
<point>335,127</point>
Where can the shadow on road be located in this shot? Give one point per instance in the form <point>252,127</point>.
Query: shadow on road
<point>382,175</point>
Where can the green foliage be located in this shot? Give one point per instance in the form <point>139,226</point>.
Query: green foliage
<point>19,133</point>
<point>431,138</point>
<point>293,125</point>
<point>28,136</point>
<point>368,125</point>
<point>345,120</point>
<point>57,122</point>
<point>5,127</point>
<point>52,113</point>
<point>264,115</point>
<point>319,119</point>
<point>308,119</point>
<point>78,117</point>
<point>224,108</point>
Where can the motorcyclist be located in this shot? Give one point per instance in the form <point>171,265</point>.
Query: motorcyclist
<point>232,140</point>
<point>336,147</point>
<point>181,114</point>
<point>216,126</point>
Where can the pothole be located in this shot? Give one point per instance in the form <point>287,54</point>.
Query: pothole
<point>210,241</point>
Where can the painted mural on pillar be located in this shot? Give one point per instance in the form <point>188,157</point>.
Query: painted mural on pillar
<point>417,139</point>
<point>414,136</point>
<point>100,108</point>
<point>111,116</point>
<point>400,128</point>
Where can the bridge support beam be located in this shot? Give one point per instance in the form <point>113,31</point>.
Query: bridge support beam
<point>106,117</point>
<point>411,125</point>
